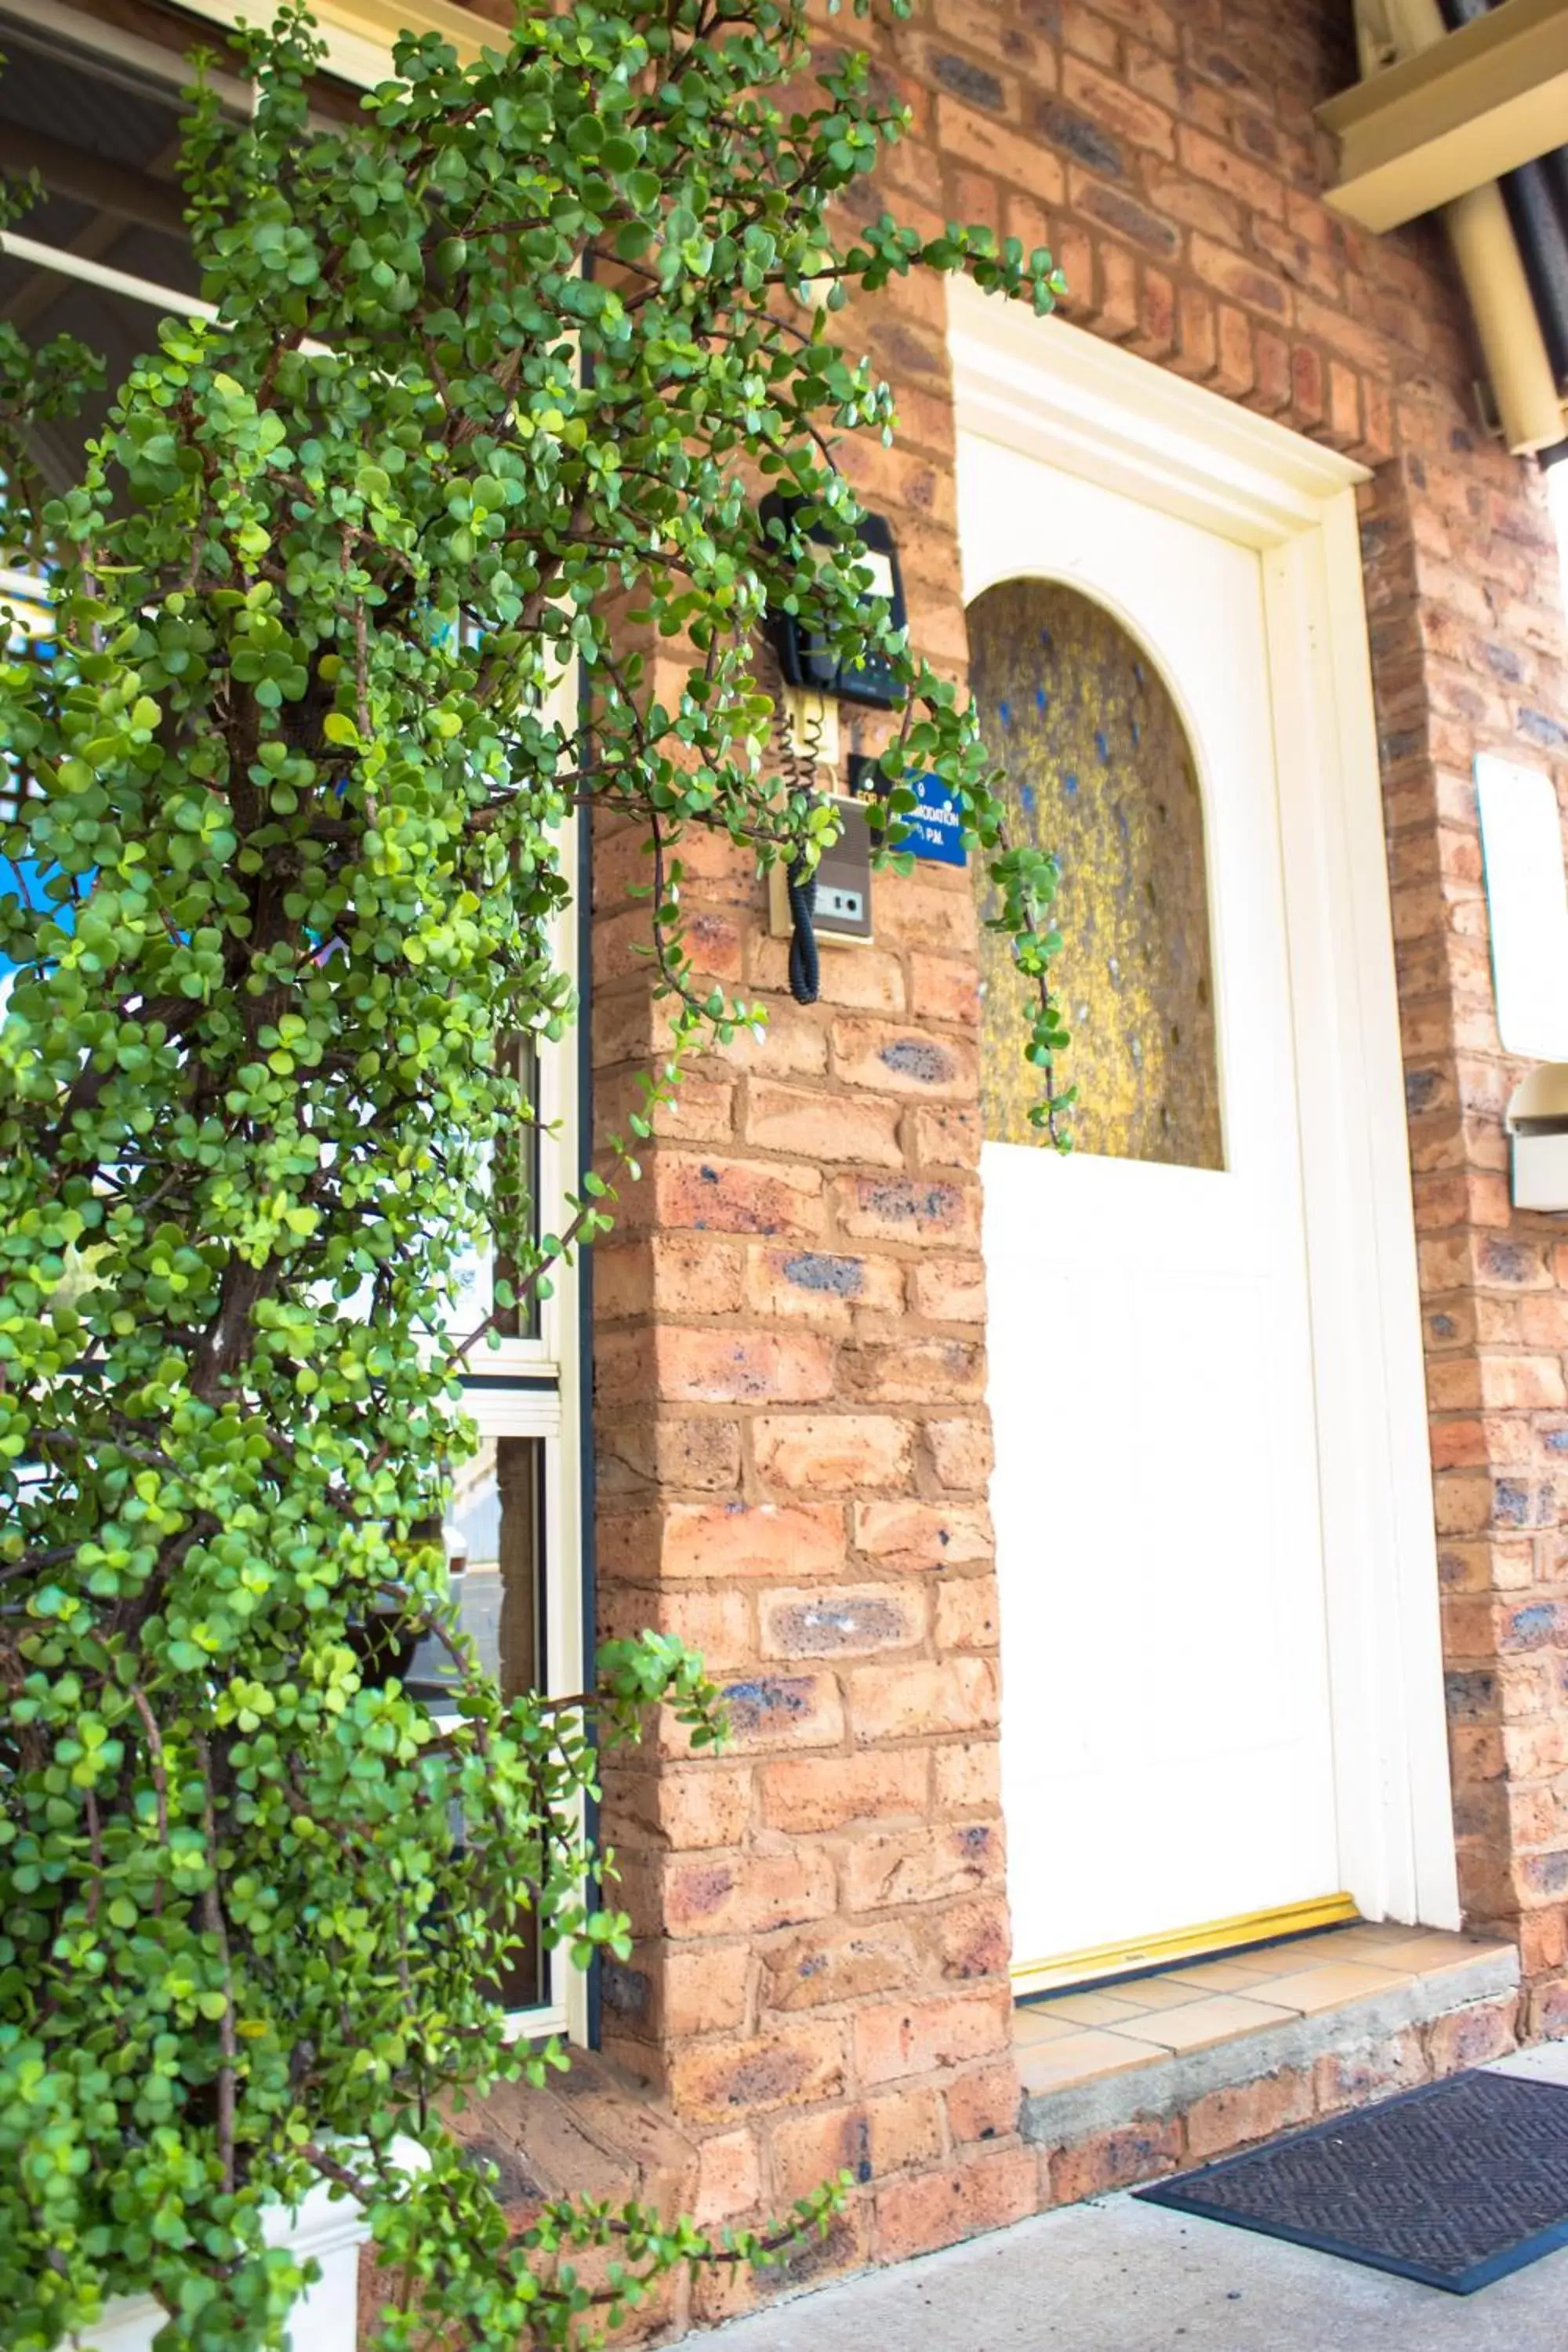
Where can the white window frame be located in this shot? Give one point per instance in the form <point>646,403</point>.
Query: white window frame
<point>528,1387</point>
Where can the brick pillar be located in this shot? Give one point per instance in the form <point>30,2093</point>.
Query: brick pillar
<point>793,1450</point>
<point>792,1438</point>
<point>1468,655</point>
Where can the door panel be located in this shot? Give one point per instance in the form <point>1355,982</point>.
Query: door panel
<point>1167,1756</point>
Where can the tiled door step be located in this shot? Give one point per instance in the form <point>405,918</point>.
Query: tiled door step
<point>1159,2072</point>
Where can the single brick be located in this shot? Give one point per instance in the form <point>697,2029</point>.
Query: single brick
<point>729,2178</point>
<point>733,1196</point>
<point>699,1366</point>
<point>915,1536</point>
<point>705,1804</point>
<point>913,2037</point>
<point>945,1136</point>
<point>919,1699</point>
<point>984,2103</point>
<point>745,1894</point>
<point>1114,2159</point>
<point>935,2208</point>
<point>676,1990</point>
<point>1473,2036</point>
<point>967,1776</point>
<point>968,1616</point>
<point>883,1058</point>
<point>874,2137</point>
<point>820,1287</point>
<point>841,1621</point>
<point>899,1866</point>
<point>889,1208</point>
<point>1245,2112</point>
<point>782,1711</point>
<point>960,1451</point>
<point>811,1124</point>
<point>976,1940</point>
<point>944,988</point>
<point>948,1289</point>
<point>840,1452</point>
<point>827,1792</point>
<point>753,1539</point>
<point>1347,2078</point>
<point>790,2067</point>
<point>834,1963</point>
<point>920,1372</point>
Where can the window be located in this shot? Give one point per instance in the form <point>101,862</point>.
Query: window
<point>102,257</point>
<point>513,1530</point>
<point>1097,768</point>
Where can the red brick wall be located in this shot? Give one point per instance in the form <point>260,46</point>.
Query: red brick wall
<point>1468,638</point>
<point>792,1435</point>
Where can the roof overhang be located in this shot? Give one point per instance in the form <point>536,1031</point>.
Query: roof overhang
<point>1474,106</point>
<point>358,35</point>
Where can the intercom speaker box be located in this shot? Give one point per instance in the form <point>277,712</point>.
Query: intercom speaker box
<point>842,913</point>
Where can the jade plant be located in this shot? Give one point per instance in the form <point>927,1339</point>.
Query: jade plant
<point>501,365</point>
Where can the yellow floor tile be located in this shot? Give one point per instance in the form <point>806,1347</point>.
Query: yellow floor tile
<point>1289,1959</point>
<point>1326,1988</point>
<point>1341,1943</point>
<point>1096,2008</point>
<point>1083,2058</point>
<point>1197,2025</point>
<point>1037,2025</point>
<point>1159,1992</point>
<point>1431,1950</point>
<point>1222,1976</point>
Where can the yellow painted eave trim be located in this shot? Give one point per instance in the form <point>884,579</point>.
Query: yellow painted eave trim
<point>359,34</point>
<point>1474,105</point>
<point>1096,1962</point>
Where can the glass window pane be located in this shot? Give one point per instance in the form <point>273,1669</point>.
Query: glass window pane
<point>1099,769</point>
<point>495,1551</point>
<point>516,1179</point>
<point>512,1178</point>
<point>495,1548</point>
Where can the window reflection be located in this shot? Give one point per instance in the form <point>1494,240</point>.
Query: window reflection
<point>495,1551</point>
<point>511,1179</point>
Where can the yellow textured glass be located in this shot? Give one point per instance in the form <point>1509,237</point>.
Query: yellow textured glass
<point>1099,769</point>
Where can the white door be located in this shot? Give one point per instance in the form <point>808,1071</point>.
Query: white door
<point>1167,1753</point>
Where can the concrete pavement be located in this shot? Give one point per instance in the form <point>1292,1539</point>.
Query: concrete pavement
<point>1117,2276</point>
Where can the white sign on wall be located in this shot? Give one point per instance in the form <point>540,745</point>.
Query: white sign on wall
<point>1527,903</point>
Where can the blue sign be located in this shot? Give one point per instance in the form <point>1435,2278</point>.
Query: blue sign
<point>933,826</point>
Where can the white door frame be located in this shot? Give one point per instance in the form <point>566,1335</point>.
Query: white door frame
<point>1051,390</point>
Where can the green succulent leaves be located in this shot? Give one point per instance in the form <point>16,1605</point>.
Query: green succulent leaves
<point>501,367</point>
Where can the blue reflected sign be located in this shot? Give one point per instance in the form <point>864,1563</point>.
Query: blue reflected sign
<point>933,830</point>
<point>27,878</point>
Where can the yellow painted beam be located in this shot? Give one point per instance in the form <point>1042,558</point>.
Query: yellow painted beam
<point>1474,105</point>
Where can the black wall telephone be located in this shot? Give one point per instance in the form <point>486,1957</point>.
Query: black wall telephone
<point>805,657</point>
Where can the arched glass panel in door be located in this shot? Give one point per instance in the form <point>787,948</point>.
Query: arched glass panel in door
<point>1099,769</point>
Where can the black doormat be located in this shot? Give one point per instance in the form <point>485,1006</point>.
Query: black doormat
<point>1454,2185</point>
